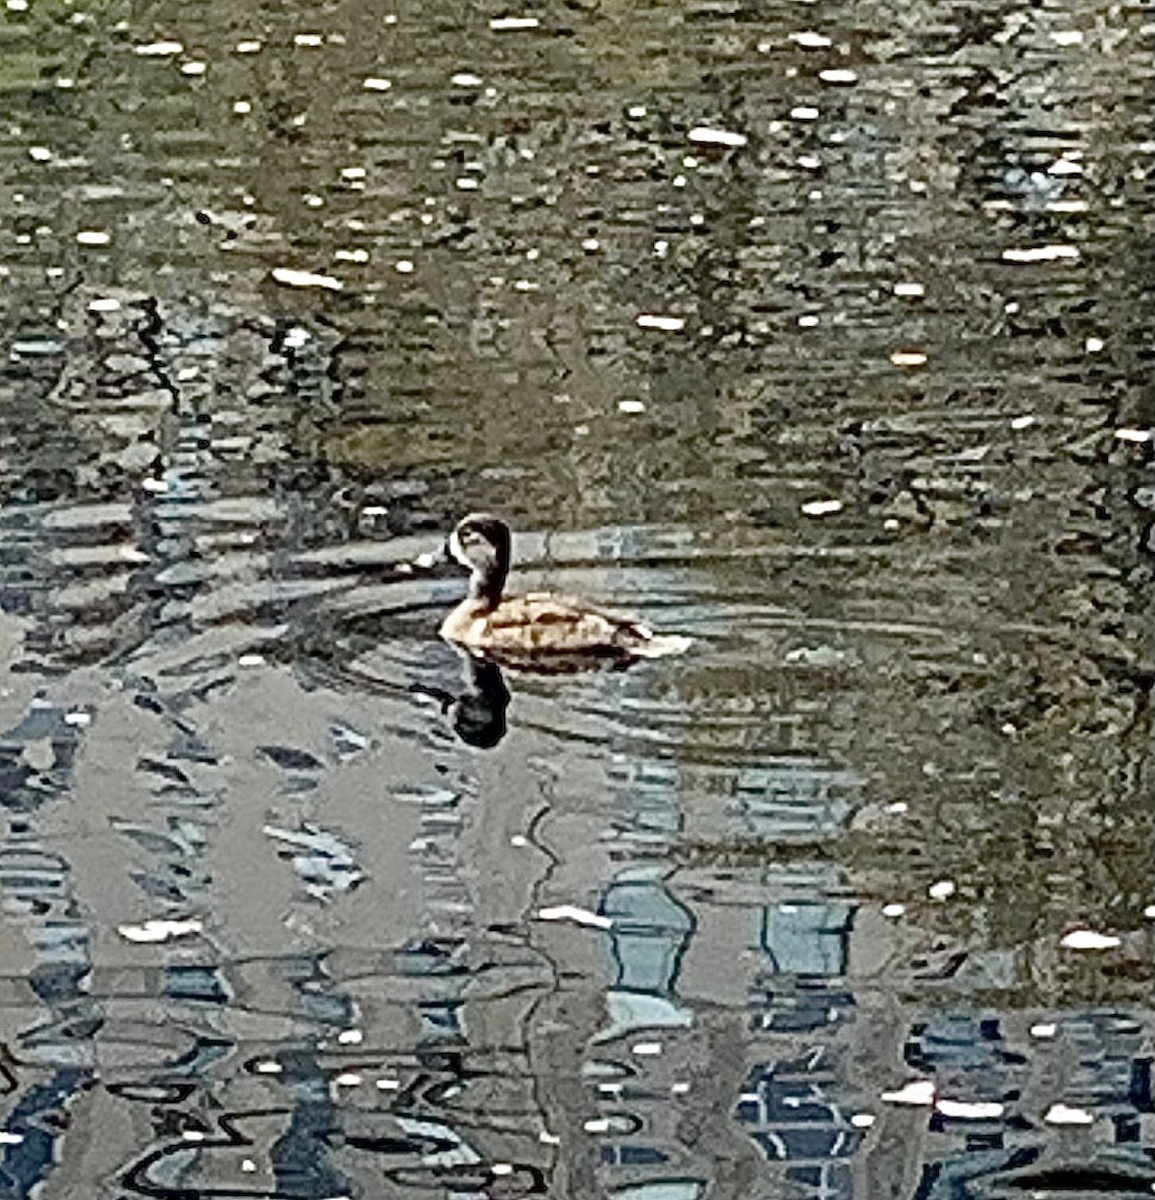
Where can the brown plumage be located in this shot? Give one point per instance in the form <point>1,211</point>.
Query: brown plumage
<point>538,623</point>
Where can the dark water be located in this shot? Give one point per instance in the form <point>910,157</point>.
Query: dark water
<point>862,404</point>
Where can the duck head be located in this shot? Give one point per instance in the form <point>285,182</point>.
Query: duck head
<point>481,543</point>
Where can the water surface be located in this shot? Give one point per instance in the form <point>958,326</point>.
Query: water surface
<point>819,333</point>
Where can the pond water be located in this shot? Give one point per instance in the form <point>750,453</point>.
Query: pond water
<point>819,333</point>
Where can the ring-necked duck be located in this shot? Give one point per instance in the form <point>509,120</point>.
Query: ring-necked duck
<point>539,623</point>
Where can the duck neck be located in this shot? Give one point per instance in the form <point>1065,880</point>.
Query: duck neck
<point>485,588</point>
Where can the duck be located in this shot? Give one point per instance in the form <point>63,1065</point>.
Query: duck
<point>537,625</point>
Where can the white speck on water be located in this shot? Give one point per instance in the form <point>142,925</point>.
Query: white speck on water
<point>158,49</point>
<point>353,172</point>
<point>308,39</point>
<point>974,1110</point>
<point>103,304</point>
<point>194,68</point>
<point>94,237</point>
<point>591,244</point>
<point>862,1120</point>
<point>465,79</point>
<point>706,136</point>
<point>908,358</point>
<point>250,47</point>
<point>1064,1114</point>
<point>579,916</point>
<point>242,107</point>
<point>1149,912</point>
<point>1093,345</point>
<point>838,75</point>
<point>1088,939</point>
<point>804,113</point>
<point>1044,1030</point>
<point>679,181</point>
<point>158,929</point>
<point>657,321</point>
<point>251,660</point>
<point>909,289</point>
<point>356,255</point>
<point>810,40</point>
<point>636,110</point>
<point>376,83</point>
<point>1067,37</point>
<point>351,1037</point>
<point>466,184</point>
<point>631,406</point>
<point>697,219</point>
<point>821,508</point>
<point>525,285</point>
<point>305,279</point>
<point>39,153</point>
<point>808,321</point>
<point>917,1092</point>
<point>810,162</point>
<point>1023,422</point>
<point>507,23</point>
<point>1051,253</point>
<point>893,910</point>
<point>404,266</point>
<point>941,890</point>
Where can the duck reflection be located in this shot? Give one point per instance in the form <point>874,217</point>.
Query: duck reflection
<point>477,711</point>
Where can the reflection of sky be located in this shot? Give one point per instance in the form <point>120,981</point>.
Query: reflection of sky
<point>793,799</point>
<point>650,934</point>
<point>805,937</point>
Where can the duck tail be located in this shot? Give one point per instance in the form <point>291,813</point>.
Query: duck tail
<point>661,645</point>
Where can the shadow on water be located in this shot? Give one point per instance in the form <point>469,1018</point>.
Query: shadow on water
<point>825,342</point>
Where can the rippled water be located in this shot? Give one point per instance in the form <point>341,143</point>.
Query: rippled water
<point>818,332</point>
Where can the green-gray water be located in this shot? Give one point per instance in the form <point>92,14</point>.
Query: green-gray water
<point>819,332</point>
